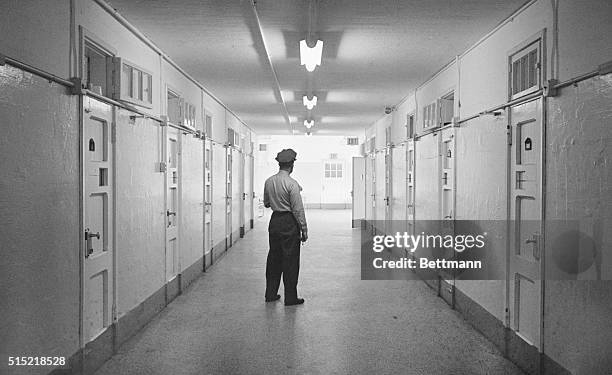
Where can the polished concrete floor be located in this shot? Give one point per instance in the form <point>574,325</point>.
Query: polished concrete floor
<point>221,324</point>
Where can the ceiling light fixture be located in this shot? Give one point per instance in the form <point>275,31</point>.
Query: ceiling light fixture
<point>309,103</point>
<point>308,124</point>
<point>311,57</point>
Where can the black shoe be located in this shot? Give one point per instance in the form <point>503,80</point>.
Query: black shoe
<point>273,298</point>
<point>298,301</point>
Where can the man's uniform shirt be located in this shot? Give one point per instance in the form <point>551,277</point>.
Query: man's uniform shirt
<point>282,193</point>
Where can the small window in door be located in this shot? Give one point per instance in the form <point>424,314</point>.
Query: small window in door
<point>525,70</point>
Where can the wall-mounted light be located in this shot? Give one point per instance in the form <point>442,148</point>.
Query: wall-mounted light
<point>311,57</point>
<point>309,103</point>
<point>308,134</point>
<point>308,124</point>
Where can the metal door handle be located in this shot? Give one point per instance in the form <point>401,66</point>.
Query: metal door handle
<point>168,213</point>
<point>91,235</point>
<point>536,246</point>
<point>88,244</point>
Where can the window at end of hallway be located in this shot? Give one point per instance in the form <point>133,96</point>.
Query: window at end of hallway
<point>333,170</point>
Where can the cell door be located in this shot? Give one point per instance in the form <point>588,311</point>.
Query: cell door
<point>410,192</point>
<point>398,188</point>
<point>246,192</point>
<point>237,202</point>
<point>228,197</point>
<point>381,191</point>
<point>446,160</point>
<point>388,189</point>
<point>251,199</point>
<point>410,176</point>
<point>172,159</point>
<point>525,267</point>
<point>358,193</point>
<point>98,236</point>
<point>370,191</point>
<point>208,238</point>
<point>447,175</point>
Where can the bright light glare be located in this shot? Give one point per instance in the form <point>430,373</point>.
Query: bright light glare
<point>311,57</point>
<point>309,103</point>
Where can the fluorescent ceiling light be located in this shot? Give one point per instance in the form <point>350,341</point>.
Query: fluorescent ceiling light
<point>311,57</point>
<point>309,103</point>
<point>308,124</point>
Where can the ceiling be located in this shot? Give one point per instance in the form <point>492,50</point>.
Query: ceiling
<point>374,54</point>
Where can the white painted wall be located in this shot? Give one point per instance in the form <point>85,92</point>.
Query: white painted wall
<point>192,201</point>
<point>140,214</point>
<point>39,201</point>
<point>309,168</point>
<point>583,25</point>
<point>484,69</point>
<point>39,38</point>
<point>578,302</point>
<point>218,193</point>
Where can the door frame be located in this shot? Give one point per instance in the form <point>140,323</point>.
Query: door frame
<point>177,215</point>
<point>84,106</point>
<point>509,304</point>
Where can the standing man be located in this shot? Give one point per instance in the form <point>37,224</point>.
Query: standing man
<point>287,227</point>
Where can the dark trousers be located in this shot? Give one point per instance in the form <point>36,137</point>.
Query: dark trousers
<point>284,255</point>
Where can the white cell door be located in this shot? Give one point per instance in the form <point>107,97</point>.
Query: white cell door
<point>172,159</point>
<point>97,243</point>
<point>410,176</point>
<point>251,198</point>
<point>525,276</point>
<point>208,240</point>
<point>370,189</point>
<point>388,189</point>
<point>228,197</point>
<point>381,191</point>
<point>247,191</point>
<point>373,185</point>
<point>446,159</point>
<point>398,187</point>
<point>358,192</point>
<point>447,174</point>
<point>242,191</point>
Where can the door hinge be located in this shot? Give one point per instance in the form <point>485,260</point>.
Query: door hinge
<point>509,135</point>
